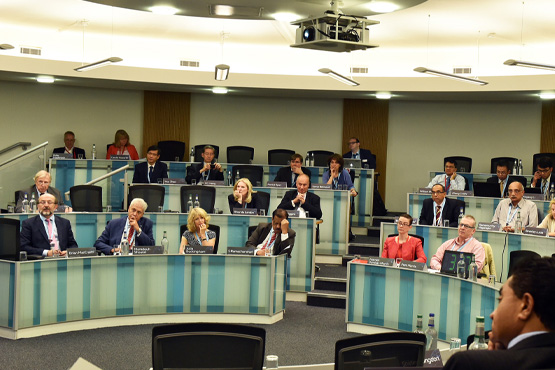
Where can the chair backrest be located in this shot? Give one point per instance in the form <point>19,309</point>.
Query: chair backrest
<point>537,157</point>
<point>171,149</point>
<point>520,179</point>
<point>264,200</point>
<point>214,228</point>
<point>489,265</point>
<point>464,164</point>
<point>251,230</point>
<point>380,350</point>
<point>208,346</point>
<point>240,154</point>
<point>206,197</point>
<point>86,198</point>
<point>321,157</point>
<point>200,148</point>
<point>510,161</point>
<point>10,239</point>
<point>413,235</point>
<point>518,256</point>
<point>153,195</point>
<point>17,195</point>
<point>251,172</point>
<point>279,157</point>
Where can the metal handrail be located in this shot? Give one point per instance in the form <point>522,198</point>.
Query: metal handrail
<point>23,144</point>
<point>43,146</point>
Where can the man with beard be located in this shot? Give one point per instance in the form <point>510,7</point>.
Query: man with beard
<point>46,234</point>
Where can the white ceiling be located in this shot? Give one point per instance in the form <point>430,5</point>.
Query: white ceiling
<point>480,34</point>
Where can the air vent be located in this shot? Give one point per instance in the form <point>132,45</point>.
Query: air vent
<point>359,70</point>
<point>189,63</point>
<point>30,50</point>
<point>462,70</point>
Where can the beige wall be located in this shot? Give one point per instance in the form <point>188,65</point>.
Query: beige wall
<point>422,133</point>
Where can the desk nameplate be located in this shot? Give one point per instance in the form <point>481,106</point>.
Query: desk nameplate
<point>488,226</point>
<point>378,261</point>
<point>276,184</point>
<point>148,249</point>
<point>242,251</point>
<point>81,252</point>
<point>173,181</point>
<point>245,211</point>
<point>535,231</point>
<point>411,265</point>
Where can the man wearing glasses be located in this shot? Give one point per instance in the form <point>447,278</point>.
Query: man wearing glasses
<point>465,242</point>
<point>366,157</point>
<point>45,234</point>
<point>439,208</point>
<point>450,179</point>
<point>542,177</point>
<point>290,174</point>
<point>508,210</point>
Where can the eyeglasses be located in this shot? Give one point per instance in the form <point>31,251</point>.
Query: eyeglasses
<point>49,202</point>
<point>544,170</point>
<point>510,191</point>
<point>352,142</point>
<point>466,226</point>
<point>403,224</point>
<point>438,192</point>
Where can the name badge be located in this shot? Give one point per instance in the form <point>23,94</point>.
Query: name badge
<point>424,191</point>
<point>241,251</point>
<point>462,193</point>
<point>81,252</point>
<point>488,226</point>
<point>535,231</point>
<point>62,156</point>
<point>148,249</point>
<point>173,181</point>
<point>276,184</point>
<point>214,183</point>
<point>190,249</point>
<point>378,261</point>
<point>321,186</point>
<point>533,196</point>
<point>120,157</point>
<point>418,266</point>
<point>245,211</point>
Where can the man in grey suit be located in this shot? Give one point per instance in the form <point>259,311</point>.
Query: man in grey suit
<point>275,236</point>
<point>42,185</point>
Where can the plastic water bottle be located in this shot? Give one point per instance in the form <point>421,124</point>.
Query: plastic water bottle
<point>479,338</point>
<point>94,152</point>
<point>190,204</point>
<point>520,168</point>
<point>461,215</point>
<point>473,270</point>
<point>552,192</point>
<point>518,224</point>
<point>165,243</point>
<point>229,181</point>
<point>419,325</point>
<point>312,160</point>
<point>431,335</point>
<point>192,155</point>
<point>515,168</point>
<point>237,177</point>
<point>33,204</point>
<point>25,204</point>
<point>307,159</point>
<point>461,267</point>
<point>197,203</point>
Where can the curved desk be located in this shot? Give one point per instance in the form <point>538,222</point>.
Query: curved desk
<point>59,294</point>
<point>391,297</point>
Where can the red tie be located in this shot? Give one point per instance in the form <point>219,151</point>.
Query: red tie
<point>270,241</point>
<point>438,215</point>
<point>130,236</point>
<point>51,234</point>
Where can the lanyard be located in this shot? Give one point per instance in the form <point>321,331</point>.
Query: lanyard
<point>462,246</point>
<point>198,237</point>
<point>126,234</point>
<point>509,217</point>
<point>336,181</point>
<point>268,244</point>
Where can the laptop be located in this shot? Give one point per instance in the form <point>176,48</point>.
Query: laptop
<point>486,189</point>
<point>450,260</point>
<point>356,163</point>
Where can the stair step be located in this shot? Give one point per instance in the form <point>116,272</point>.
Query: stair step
<point>325,298</point>
<point>364,249</point>
<point>330,284</point>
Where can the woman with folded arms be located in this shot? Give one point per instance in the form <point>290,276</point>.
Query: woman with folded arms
<point>336,175</point>
<point>549,220</point>
<point>403,245</point>
<point>197,233</point>
<point>121,146</point>
<point>243,196</point>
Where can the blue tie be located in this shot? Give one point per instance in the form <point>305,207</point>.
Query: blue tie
<point>150,171</point>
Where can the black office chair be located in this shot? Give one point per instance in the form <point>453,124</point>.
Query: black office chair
<point>537,157</point>
<point>10,242</point>
<point>86,198</point>
<point>321,157</point>
<point>520,179</point>
<point>214,228</point>
<point>518,256</point>
<point>251,172</point>
<point>17,192</point>
<point>171,149</point>
<point>464,164</point>
<point>240,154</point>
<point>380,350</point>
<point>279,157</point>
<point>264,200</point>
<point>251,230</point>
<point>470,338</point>
<point>153,195</point>
<point>200,148</point>
<point>413,235</point>
<point>206,197</point>
<point>208,346</point>
<point>510,161</point>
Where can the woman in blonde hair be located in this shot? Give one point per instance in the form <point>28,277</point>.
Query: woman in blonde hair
<point>243,196</point>
<point>121,146</point>
<point>197,233</point>
<point>549,220</point>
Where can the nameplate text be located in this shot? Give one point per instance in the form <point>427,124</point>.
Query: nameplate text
<point>119,157</point>
<point>276,184</point>
<point>488,226</point>
<point>242,251</point>
<point>321,186</point>
<point>419,266</point>
<point>533,196</point>
<point>245,211</point>
<point>148,249</point>
<point>381,261</point>
<point>62,156</point>
<point>195,249</point>
<point>535,231</point>
<point>214,182</point>
<point>174,181</point>
<point>462,193</point>
<point>293,212</point>
<point>81,252</point>
<point>424,191</point>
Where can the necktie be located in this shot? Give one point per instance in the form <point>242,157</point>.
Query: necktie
<point>293,180</point>
<point>447,184</point>
<point>150,171</point>
<point>501,187</point>
<point>51,234</point>
<point>544,186</point>
<point>130,236</point>
<point>269,243</point>
<point>438,215</point>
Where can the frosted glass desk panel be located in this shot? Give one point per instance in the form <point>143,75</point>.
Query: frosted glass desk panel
<point>435,236</point>
<point>392,297</point>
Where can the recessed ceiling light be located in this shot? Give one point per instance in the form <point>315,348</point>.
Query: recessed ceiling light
<point>286,17</point>
<point>382,7</point>
<point>547,95</point>
<point>223,10</point>
<point>383,95</point>
<point>219,90</point>
<point>45,79</point>
<point>163,10</point>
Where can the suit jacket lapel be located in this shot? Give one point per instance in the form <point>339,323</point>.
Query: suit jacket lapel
<point>40,225</point>
<point>60,233</point>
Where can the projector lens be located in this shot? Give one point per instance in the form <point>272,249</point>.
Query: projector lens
<point>309,34</point>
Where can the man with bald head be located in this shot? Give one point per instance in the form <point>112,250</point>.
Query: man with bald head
<point>45,234</point>
<point>302,200</point>
<point>508,209</point>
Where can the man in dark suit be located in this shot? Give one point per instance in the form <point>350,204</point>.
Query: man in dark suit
<point>275,236</point>
<point>542,177</point>
<point>523,324</point>
<point>206,170</point>
<point>366,157</point>
<point>290,174</point>
<point>42,185</point>
<point>150,171</point>
<point>439,208</point>
<point>502,178</point>
<point>136,229</point>
<point>39,233</point>
<point>302,200</point>
<point>69,141</point>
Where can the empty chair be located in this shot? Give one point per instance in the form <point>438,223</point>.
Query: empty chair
<point>518,256</point>
<point>279,157</point>
<point>207,346</point>
<point>206,196</point>
<point>200,148</point>
<point>537,157</point>
<point>153,195</point>
<point>171,149</point>
<point>464,164</point>
<point>264,201</point>
<point>86,198</point>
<point>240,154</point>
<point>10,240</point>
<point>509,161</point>
<point>380,350</point>
<point>321,157</point>
<point>214,228</point>
<point>253,173</point>
<point>251,230</point>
